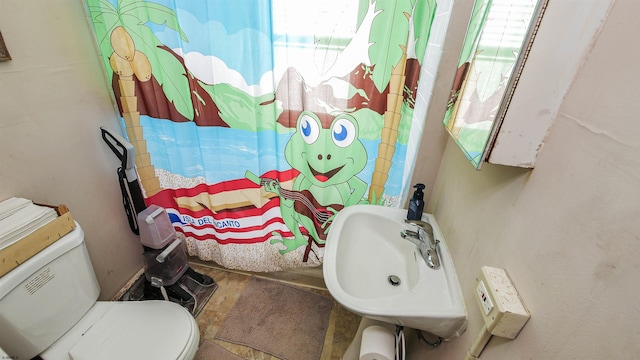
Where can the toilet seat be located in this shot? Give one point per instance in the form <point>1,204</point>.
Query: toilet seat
<point>153,329</point>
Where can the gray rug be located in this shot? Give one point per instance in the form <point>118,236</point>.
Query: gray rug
<point>211,351</point>
<point>279,320</point>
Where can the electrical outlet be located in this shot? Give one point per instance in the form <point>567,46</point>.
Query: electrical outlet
<point>503,311</point>
<point>485,301</point>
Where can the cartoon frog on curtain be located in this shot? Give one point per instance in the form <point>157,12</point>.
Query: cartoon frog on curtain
<point>327,156</point>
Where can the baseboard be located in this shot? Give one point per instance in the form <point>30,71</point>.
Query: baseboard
<point>308,277</point>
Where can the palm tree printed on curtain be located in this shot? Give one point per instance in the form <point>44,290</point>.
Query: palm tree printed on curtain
<point>221,211</point>
<point>401,25</point>
<point>129,48</point>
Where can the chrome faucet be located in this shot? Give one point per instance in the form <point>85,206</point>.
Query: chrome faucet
<point>424,239</point>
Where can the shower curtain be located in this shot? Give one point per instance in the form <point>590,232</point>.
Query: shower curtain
<point>254,122</point>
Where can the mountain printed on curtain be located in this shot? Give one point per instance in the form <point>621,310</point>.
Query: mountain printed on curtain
<point>255,122</point>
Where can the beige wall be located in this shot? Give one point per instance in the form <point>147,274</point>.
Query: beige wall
<point>567,232</point>
<point>53,99</point>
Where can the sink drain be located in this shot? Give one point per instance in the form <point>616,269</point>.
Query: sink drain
<point>394,280</point>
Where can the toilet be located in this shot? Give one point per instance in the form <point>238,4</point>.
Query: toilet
<point>49,308</point>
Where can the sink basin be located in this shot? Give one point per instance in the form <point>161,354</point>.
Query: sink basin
<point>372,271</point>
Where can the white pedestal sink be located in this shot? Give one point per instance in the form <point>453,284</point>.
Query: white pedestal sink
<point>373,271</point>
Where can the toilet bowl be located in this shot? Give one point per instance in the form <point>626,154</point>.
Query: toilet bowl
<point>129,330</point>
<point>48,308</point>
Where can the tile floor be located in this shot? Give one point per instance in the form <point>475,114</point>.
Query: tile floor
<point>343,324</point>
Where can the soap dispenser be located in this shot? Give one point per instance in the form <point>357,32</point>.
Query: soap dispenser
<point>416,204</point>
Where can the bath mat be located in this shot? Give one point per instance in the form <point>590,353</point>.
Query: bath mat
<point>279,320</point>
<point>211,351</point>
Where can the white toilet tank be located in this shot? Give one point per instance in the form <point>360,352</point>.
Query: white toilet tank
<point>45,296</point>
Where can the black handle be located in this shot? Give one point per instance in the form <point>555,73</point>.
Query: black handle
<point>116,146</point>
<point>128,202</point>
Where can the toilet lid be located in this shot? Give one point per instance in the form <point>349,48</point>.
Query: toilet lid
<point>138,330</point>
